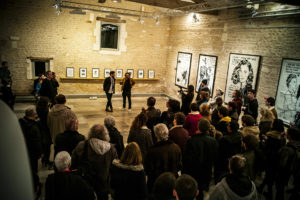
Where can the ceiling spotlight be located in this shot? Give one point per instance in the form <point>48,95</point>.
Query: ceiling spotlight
<point>141,20</point>
<point>196,19</point>
<point>117,1</point>
<point>157,21</point>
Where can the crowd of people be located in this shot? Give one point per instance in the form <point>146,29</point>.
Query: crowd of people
<point>174,154</point>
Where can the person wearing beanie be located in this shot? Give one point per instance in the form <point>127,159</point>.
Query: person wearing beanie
<point>200,155</point>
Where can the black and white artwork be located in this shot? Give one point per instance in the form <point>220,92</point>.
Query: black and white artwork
<point>70,72</point>
<point>206,71</point>
<point>140,73</point>
<point>82,72</point>
<point>151,73</point>
<point>106,73</point>
<point>288,90</point>
<point>119,73</point>
<point>241,75</point>
<point>95,72</point>
<point>182,77</point>
<point>130,71</point>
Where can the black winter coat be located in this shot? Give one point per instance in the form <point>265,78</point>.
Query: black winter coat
<point>47,89</point>
<point>128,181</point>
<point>116,138</point>
<point>199,157</point>
<point>67,186</point>
<point>32,135</point>
<point>107,83</point>
<point>67,141</point>
<point>252,108</point>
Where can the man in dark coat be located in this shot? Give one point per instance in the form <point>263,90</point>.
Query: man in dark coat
<point>55,83</point>
<point>252,105</point>
<point>68,140</point>
<point>203,87</point>
<point>229,145</point>
<point>109,88</point>
<point>153,115</point>
<point>199,156</point>
<point>47,88</point>
<point>32,135</point>
<point>64,184</point>
<point>164,156</point>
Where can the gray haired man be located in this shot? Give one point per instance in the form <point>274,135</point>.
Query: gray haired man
<point>164,156</point>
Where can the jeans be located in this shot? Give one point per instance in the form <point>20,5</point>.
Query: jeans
<point>109,104</point>
<point>128,95</point>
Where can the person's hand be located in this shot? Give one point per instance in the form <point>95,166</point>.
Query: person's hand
<point>292,123</point>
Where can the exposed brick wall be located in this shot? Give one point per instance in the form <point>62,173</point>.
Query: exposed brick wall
<point>272,38</point>
<point>69,39</point>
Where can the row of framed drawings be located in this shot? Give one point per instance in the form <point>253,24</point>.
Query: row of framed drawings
<point>242,74</point>
<point>119,73</point>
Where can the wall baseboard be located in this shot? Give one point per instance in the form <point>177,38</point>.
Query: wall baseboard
<point>30,98</point>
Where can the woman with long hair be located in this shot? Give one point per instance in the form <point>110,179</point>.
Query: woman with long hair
<point>266,120</point>
<point>128,178</point>
<point>140,134</point>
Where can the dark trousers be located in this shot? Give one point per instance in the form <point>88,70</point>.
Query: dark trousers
<point>109,104</point>
<point>128,95</point>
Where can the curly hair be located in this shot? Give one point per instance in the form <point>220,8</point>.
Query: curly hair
<point>236,76</point>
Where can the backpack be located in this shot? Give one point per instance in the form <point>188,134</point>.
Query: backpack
<point>86,169</point>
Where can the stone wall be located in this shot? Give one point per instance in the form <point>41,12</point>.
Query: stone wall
<point>273,38</point>
<point>69,39</point>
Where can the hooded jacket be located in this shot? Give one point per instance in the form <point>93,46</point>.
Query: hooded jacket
<point>128,181</point>
<point>100,155</point>
<point>223,191</point>
<point>254,130</point>
<point>57,119</point>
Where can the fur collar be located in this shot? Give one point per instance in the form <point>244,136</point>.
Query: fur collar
<point>136,168</point>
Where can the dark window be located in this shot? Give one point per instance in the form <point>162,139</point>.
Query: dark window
<point>109,36</point>
<point>39,68</point>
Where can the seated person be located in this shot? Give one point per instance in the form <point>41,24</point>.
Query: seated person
<point>64,184</point>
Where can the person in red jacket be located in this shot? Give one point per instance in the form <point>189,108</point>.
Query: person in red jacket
<point>191,121</point>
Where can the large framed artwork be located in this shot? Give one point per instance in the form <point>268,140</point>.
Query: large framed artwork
<point>242,74</point>
<point>287,101</point>
<point>183,68</point>
<point>206,71</point>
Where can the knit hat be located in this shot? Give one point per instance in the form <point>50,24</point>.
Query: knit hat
<point>203,125</point>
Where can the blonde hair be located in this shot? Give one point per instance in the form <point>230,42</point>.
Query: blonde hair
<point>205,111</point>
<point>132,154</point>
<point>266,115</point>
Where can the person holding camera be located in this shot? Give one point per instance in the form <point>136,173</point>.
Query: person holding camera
<point>186,99</point>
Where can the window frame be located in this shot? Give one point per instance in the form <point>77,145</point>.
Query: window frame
<point>47,66</point>
<point>119,32</point>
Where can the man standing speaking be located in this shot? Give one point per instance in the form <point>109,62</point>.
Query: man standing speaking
<point>109,88</point>
<point>127,84</point>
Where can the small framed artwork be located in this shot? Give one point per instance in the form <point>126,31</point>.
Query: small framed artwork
<point>140,73</point>
<point>82,72</point>
<point>70,72</point>
<point>95,72</point>
<point>130,71</point>
<point>119,73</point>
<point>151,73</point>
<point>106,73</point>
